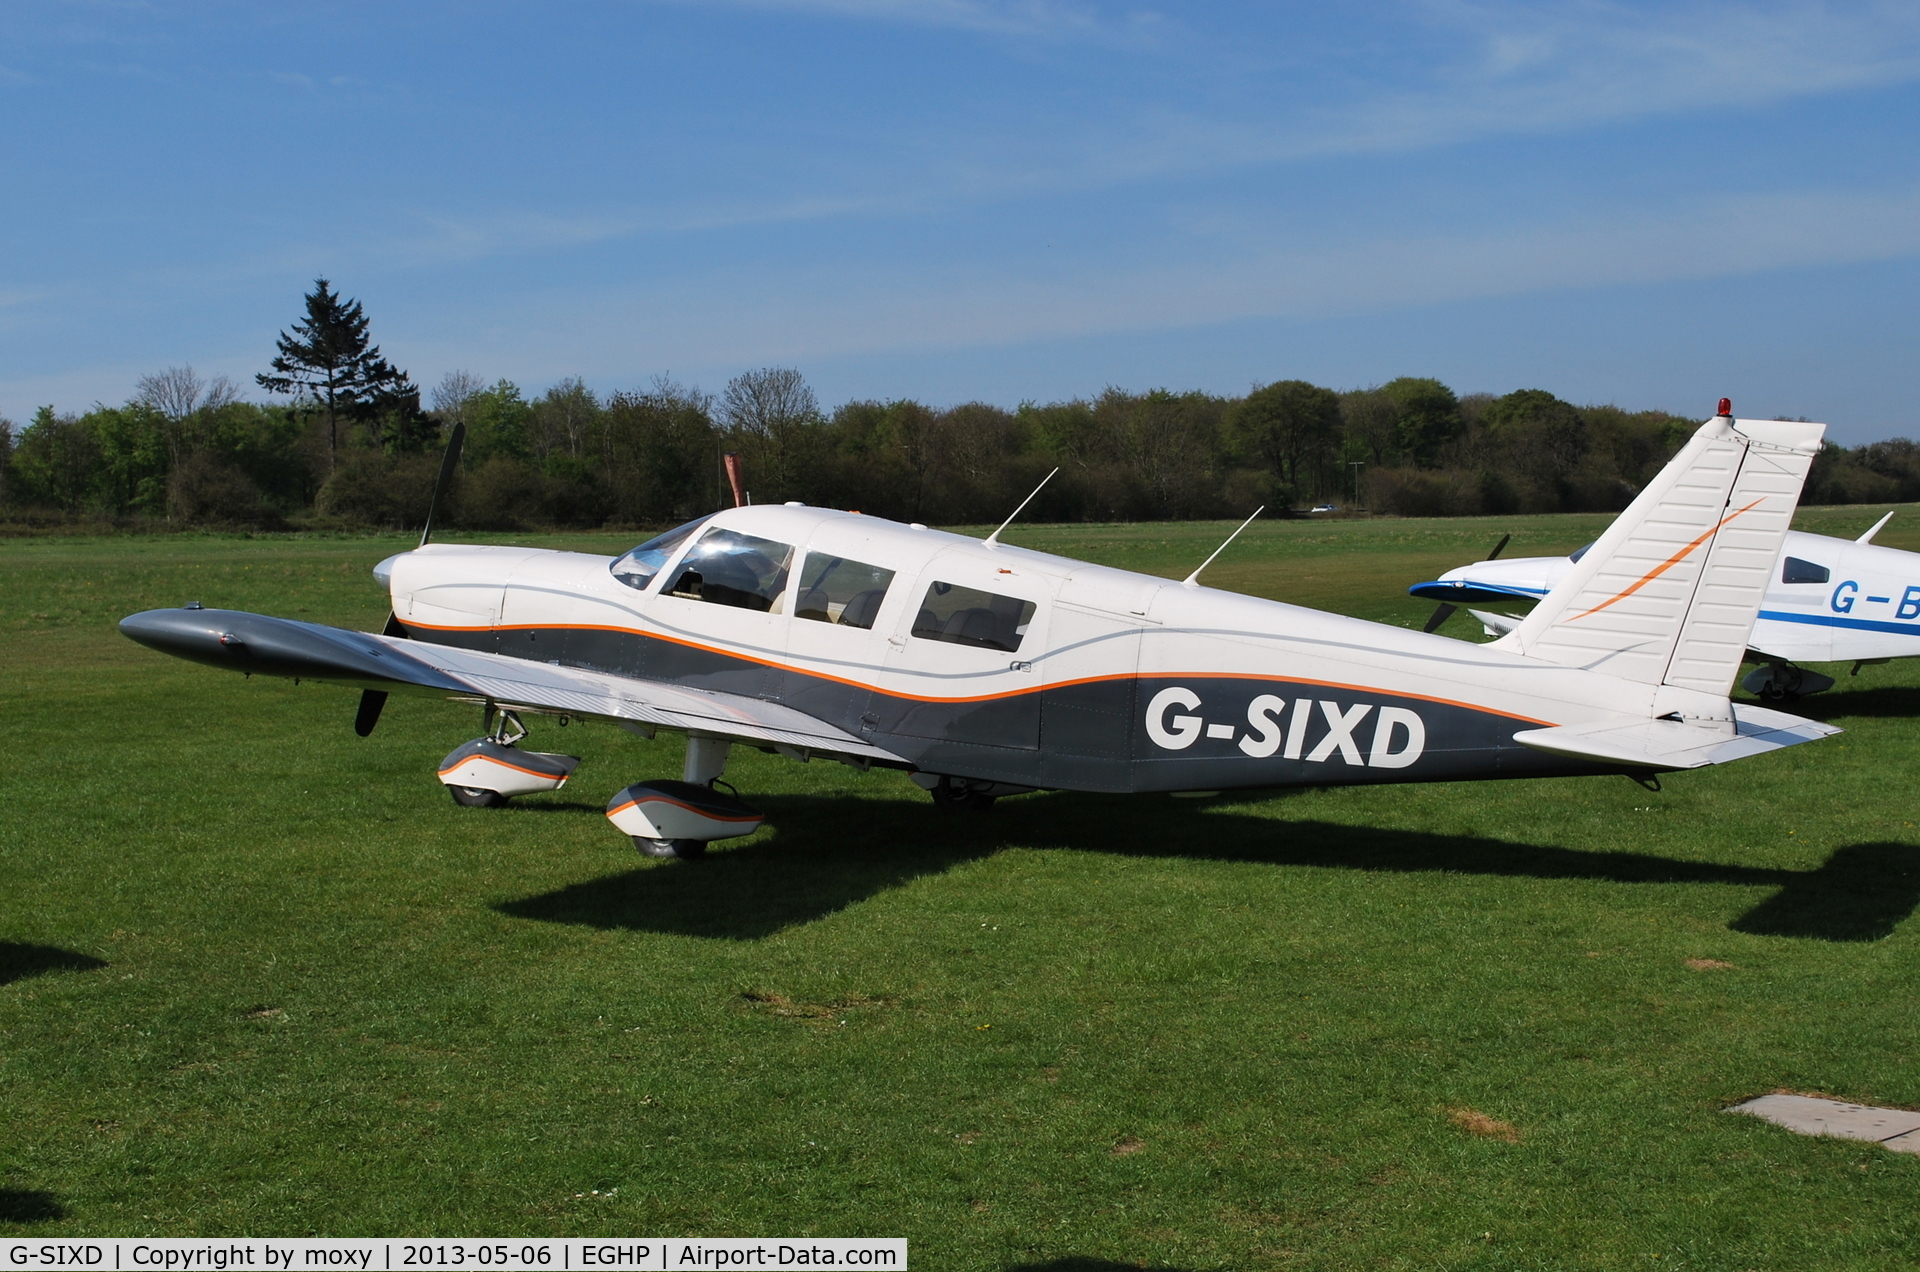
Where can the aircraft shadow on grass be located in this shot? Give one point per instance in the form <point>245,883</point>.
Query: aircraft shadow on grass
<point>19,960</point>
<point>829,854</point>
<point>1893,703</point>
<point>29,1205</point>
<point>816,867</point>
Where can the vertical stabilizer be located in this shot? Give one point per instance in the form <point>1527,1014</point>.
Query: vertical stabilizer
<point>1668,595</point>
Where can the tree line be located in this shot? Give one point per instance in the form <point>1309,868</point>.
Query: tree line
<point>344,440</point>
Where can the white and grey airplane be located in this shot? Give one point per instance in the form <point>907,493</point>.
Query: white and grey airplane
<point>1828,600</point>
<point>982,669</point>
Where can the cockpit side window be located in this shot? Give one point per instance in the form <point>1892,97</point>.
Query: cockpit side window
<point>637,568</point>
<point>730,568</point>
<point>1794,570</point>
<point>836,590</point>
<point>963,616</point>
<point>1579,552</point>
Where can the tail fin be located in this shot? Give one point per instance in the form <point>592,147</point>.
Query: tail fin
<point>1668,595</point>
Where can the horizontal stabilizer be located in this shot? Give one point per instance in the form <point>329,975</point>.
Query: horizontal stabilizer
<point>1496,624</point>
<point>1676,744</point>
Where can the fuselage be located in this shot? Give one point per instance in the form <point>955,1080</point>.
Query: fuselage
<point>1829,600</point>
<point>1008,665</point>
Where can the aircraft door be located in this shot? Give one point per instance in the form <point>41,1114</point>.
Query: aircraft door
<point>846,599</point>
<point>961,656</point>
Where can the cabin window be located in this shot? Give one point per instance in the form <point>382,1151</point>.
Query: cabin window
<point>730,568</point>
<point>836,590</point>
<point>1579,552</point>
<point>963,616</point>
<point>637,568</point>
<point>1794,570</point>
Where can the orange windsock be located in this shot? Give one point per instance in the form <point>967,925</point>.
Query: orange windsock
<point>736,477</point>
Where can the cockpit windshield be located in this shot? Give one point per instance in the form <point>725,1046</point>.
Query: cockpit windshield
<point>637,568</point>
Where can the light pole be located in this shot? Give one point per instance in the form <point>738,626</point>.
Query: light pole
<point>1356,465</point>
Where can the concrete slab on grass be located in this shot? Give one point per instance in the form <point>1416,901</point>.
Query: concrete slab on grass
<point>1897,1129</point>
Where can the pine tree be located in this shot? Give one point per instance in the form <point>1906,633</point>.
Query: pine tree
<point>328,360</point>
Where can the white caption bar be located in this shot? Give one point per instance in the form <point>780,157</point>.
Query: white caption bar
<point>470,1254</point>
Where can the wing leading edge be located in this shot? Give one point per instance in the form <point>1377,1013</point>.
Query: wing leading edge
<point>262,645</point>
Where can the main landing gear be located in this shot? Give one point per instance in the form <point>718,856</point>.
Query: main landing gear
<point>490,770</point>
<point>679,819</point>
<point>1783,682</point>
<point>964,794</point>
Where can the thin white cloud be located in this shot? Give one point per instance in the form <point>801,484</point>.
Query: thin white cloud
<point>806,314</point>
<point>1569,66</point>
<point>798,315</point>
<point>1524,71</point>
<point>1026,19</point>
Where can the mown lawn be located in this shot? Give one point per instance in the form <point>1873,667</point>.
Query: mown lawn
<point>258,975</point>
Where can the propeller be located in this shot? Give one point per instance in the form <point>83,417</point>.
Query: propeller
<point>373,701</point>
<point>1445,609</point>
<point>447,464</point>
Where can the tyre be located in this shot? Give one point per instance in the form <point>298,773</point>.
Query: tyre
<point>670,848</point>
<point>474,797</point>
<point>950,796</point>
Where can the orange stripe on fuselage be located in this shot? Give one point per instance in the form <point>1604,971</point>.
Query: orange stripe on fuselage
<point>989,697</point>
<point>1669,563</point>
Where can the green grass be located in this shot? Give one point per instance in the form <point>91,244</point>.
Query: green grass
<point>262,976</point>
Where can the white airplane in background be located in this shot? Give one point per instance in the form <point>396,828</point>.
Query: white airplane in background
<point>983,669</point>
<point>1829,600</point>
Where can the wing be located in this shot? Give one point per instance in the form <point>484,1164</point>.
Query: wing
<point>260,645</point>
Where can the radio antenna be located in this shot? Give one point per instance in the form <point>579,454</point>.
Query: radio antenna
<point>1193,580</point>
<point>993,540</point>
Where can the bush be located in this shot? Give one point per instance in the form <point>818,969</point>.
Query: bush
<point>370,487</point>
<point>1416,492</point>
<point>500,495</point>
<point>205,490</point>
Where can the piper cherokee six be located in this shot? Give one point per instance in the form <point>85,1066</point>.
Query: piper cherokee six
<point>984,670</point>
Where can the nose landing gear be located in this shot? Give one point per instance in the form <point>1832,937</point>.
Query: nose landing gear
<point>1783,682</point>
<point>488,771</point>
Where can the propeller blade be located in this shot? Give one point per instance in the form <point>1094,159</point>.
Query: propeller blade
<point>1441,614</point>
<point>371,702</point>
<point>447,464</point>
<point>1500,547</point>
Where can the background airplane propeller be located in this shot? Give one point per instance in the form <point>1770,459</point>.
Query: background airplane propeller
<point>373,701</point>
<point>1445,609</point>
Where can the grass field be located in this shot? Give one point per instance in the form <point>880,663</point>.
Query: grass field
<point>258,975</point>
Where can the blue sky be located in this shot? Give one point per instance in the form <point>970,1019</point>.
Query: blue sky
<point>1654,205</point>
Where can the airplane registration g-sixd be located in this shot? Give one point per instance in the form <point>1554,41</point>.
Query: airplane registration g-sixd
<point>983,669</point>
<point>1827,600</point>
